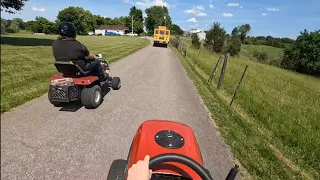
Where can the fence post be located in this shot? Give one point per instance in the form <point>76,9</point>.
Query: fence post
<point>186,50</point>
<point>199,51</point>
<point>224,67</point>
<point>236,91</point>
<point>216,68</point>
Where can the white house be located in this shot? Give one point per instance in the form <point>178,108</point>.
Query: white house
<point>194,31</point>
<point>103,29</point>
<point>202,35</point>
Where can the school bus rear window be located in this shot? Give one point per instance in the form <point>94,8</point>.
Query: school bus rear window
<point>161,32</point>
<point>167,32</point>
<point>157,31</point>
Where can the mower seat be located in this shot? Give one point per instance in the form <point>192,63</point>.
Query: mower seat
<point>71,70</point>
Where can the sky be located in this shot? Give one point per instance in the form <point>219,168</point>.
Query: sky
<point>278,18</point>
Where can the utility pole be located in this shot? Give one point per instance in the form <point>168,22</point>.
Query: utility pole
<point>132,25</point>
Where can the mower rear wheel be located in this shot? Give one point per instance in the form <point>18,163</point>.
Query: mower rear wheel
<point>116,83</point>
<point>91,97</point>
<point>117,170</point>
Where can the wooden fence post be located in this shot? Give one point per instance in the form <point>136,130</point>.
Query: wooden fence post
<point>224,67</point>
<point>199,51</point>
<point>236,91</point>
<point>216,68</point>
<point>186,50</point>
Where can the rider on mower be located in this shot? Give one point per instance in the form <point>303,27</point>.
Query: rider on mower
<point>67,48</point>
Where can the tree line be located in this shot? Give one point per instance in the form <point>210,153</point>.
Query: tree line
<point>301,55</point>
<point>86,22</point>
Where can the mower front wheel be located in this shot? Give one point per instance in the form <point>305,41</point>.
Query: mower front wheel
<point>116,83</point>
<point>117,170</point>
<point>91,97</point>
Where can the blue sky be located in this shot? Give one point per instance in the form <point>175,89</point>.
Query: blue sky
<point>280,18</point>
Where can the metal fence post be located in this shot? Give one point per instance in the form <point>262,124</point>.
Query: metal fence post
<point>236,91</point>
<point>224,67</point>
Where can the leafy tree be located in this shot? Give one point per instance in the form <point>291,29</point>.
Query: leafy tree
<point>30,26</point>
<point>235,32</point>
<point>175,29</point>
<point>304,55</point>
<point>234,45</point>
<point>155,17</point>
<point>243,31</point>
<point>196,40</point>
<point>13,28</point>
<point>215,38</point>
<point>137,20</point>
<point>100,20</point>
<point>11,5</point>
<point>3,26</point>
<point>83,20</point>
<point>20,22</point>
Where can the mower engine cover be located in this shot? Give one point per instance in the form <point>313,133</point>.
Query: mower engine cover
<point>156,137</point>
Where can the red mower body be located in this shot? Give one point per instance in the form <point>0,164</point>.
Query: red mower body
<point>144,144</point>
<point>82,81</point>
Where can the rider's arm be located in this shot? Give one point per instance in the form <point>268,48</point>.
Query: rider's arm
<point>140,170</point>
<point>86,52</point>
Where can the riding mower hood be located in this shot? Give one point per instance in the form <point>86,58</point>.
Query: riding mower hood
<point>74,83</point>
<point>173,150</point>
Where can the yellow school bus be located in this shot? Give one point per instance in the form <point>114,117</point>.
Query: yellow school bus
<point>161,36</point>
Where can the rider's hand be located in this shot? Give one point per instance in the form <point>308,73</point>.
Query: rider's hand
<point>140,171</point>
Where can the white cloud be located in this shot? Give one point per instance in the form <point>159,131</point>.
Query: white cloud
<point>144,15</point>
<point>193,20</point>
<point>264,14</point>
<point>196,10</point>
<point>241,7</point>
<point>233,4</point>
<point>148,3</point>
<point>227,14</point>
<point>272,9</point>
<point>38,9</point>
<point>211,6</point>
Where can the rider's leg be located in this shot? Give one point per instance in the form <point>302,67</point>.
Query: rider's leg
<point>97,69</point>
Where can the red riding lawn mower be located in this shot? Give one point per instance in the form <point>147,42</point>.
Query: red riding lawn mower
<point>173,150</point>
<point>74,83</point>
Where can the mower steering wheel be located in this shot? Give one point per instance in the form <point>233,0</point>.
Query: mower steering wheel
<point>172,157</point>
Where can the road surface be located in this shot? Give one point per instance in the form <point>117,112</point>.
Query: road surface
<point>39,141</point>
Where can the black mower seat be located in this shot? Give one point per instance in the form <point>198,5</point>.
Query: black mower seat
<point>70,69</point>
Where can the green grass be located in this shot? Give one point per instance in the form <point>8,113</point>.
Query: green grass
<point>273,52</point>
<point>27,62</point>
<point>273,126</point>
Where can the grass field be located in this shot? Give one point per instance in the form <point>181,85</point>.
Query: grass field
<point>273,126</point>
<point>27,62</point>
<point>273,52</point>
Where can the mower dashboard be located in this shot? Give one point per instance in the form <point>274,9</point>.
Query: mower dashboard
<point>158,176</point>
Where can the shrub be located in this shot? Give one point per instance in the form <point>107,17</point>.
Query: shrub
<point>13,28</point>
<point>261,56</point>
<point>196,41</point>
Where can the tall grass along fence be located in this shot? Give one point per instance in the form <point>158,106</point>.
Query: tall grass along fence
<point>285,112</point>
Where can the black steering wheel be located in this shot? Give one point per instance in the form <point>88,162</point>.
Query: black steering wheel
<point>172,157</point>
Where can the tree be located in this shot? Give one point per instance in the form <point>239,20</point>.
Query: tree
<point>304,55</point>
<point>83,20</point>
<point>244,30</point>
<point>196,40</point>
<point>155,17</point>
<point>30,26</point>
<point>215,38</point>
<point>11,5</point>
<point>20,22</point>
<point>234,45</point>
<point>137,20</point>
<point>100,20</point>
<point>235,32</point>
<point>175,29</point>
<point>3,26</point>
<point>13,28</point>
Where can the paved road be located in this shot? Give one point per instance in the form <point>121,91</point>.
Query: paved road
<point>38,141</point>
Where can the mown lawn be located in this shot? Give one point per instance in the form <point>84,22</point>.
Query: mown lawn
<point>27,62</point>
<point>273,126</point>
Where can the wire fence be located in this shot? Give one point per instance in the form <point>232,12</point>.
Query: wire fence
<point>288,110</point>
